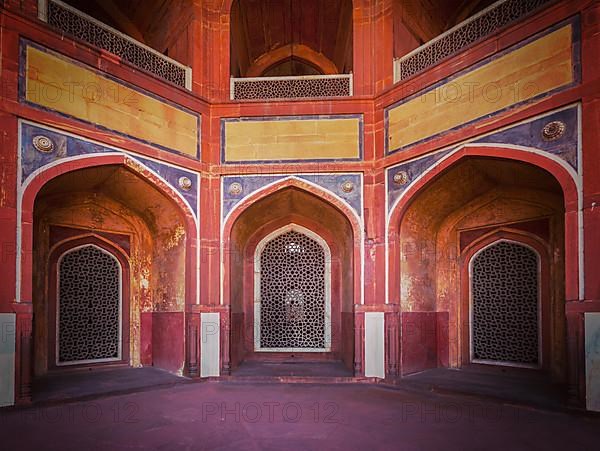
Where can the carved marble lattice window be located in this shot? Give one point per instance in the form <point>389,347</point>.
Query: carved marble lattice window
<point>505,311</point>
<point>89,306</point>
<point>292,293</point>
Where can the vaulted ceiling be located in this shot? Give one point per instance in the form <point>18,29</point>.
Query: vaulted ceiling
<point>153,22</point>
<point>419,21</point>
<point>310,36</point>
<point>300,37</point>
<point>283,37</point>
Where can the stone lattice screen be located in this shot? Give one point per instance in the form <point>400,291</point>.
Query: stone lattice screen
<point>270,88</point>
<point>73,22</point>
<point>505,296</point>
<point>292,292</point>
<point>89,296</point>
<point>476,28</point>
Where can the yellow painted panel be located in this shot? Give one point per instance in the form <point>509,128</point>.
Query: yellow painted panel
<point>292,139</point>
<point>61,85</point>
<point>536,68</point>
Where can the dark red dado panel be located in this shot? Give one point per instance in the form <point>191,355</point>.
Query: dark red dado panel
<point>146,338</point>
<point>168,351</point>
<point>238,338</point>
<point>347,339</point>
<point>443,339</point>
<point>424,341</point>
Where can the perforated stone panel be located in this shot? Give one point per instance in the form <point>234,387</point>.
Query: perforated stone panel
<point>89,306</point>
<point>468,33</point>
<point>291,87</point>
<point>505,290</point>
<point>292,291</point>
<point>68,21</point>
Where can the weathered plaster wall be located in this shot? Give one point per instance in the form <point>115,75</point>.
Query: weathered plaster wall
<point>113,200</point>
<point>479,194</point>
<point>419,229</point>
<point>87,212</point>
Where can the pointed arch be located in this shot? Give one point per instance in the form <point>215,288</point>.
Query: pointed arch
<point>301,184</point>
<point>565,175</point>
<point>323,194</point>
<point>35,182</point>
<point>304,53</point>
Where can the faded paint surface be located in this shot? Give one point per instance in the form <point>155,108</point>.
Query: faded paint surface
<point>543,65</point>
<point>167,341</point>
<point>113,200</point>
<point>331,182</point>
<point>59,84</point>
<point>419,341</point>
<point>291,139</point>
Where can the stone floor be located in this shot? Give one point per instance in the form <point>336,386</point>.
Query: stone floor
<point>295,369</point>
<point>508,388</point>
<point>518,388</point>
<point>86,384</point>
<point>242,416</point>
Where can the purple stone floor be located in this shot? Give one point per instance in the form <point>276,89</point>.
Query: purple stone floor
<point>527,390</point>
<point>89,384</point>
<point>304,369</point>
<point>246,416</point>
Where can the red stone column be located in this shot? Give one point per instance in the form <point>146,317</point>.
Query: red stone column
<point>575,358</point>
<point>590,24</point>
<point>192,354</point>
<point>210,59</point>
<point>23,352</point>
<point>577,306</point>
<point>210,242</point>
<point>392,342</point>
<point>373,29</point>
<point>359,343</point>
<point>225,342</point>
<point>383,50</point>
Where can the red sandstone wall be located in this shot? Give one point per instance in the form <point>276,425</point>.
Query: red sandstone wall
<point>168,344</point>
<point>209,54</point>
